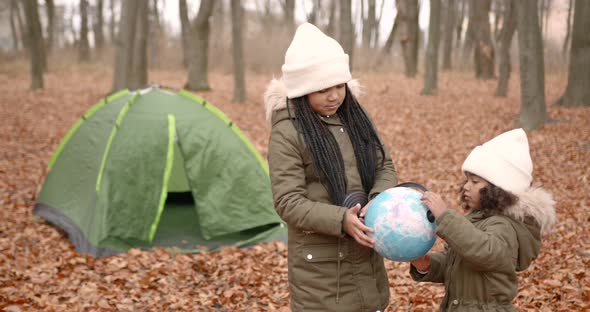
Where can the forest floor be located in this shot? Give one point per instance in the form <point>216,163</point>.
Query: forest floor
<point>429,137</point>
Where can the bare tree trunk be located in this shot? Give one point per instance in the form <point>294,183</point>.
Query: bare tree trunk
<point>239,81</point>
<point>470,31</point>
<point>13,31</point>
<point>369,24</point>
<point>577,92</point>
<point>407,13</point>
<point>431,66</point>
<point>460,18</point>
<point>451,10</point>
<point>312,16</point>
<point>139,65</point>
<point>112,22</point>
<point>185,31</point>
<point>99,25</point>
<point>388,44</point>
<point>568,28</point>
<point>533,112</point>
<point>83,48</point>
<point>289,9</point>
<point>346,31</point>
<point>331,28</point>
<point>50,9</point>
<point>199,50</point>
<point>124,44</point>
<point>36,46</point>
<point>155,33</point>
<point>497,7</point>
<point>505,38</point>
<point>484,48</point>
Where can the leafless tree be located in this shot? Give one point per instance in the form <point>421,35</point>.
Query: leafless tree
<point>449,30</point>
<point>533,111</point>
<point>83,45</point>
<point>50,9</point>
<point>431,64</point>
<point>198,71</point>
<point>407,13</point>
<point>346,30</point>
<point>36,45</point>
<point>124,44</point>
<point>98,25</point>
<point>505,41</point>
<point>484,57</point>
<point>238,57</point>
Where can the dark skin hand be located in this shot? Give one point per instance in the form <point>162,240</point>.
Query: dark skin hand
<point>354,226</point>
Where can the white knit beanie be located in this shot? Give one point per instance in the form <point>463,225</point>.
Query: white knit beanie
<point>313,62</point>
<point>503,161</point>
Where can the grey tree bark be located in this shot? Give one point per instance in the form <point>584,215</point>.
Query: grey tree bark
<point>289,9</point>
<point>139,64</point>
<point>198,71</point>
<point>449,30</point>
<point>407,13</point>
<point>459,22</point>
<point>369,24</point>
<point>483,56</point>
<point>533,111</point>
<point>124,44</point>
<point>154,34</point>
<point>388,44</point>
<point>184,31</point>
<point>50,10</point>
<point>36,45</point>
<point>568,28</point>
<point>332,19</point>
<point>577,92</point>
<point>346,31</point>
<point>98,25</point>
<point>505,42</point>
<point>112,22</point>
<point>431,64</point>
<point>13,31</point>
<point>83,45</point>
<point>238,56</point>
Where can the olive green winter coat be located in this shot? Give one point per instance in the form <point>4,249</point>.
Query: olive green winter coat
<point>328,271</point>
<point>485,252</point>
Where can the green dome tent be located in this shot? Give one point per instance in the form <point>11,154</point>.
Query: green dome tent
<point>158,168</point>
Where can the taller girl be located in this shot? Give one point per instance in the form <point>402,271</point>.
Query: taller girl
<point>323,151</point>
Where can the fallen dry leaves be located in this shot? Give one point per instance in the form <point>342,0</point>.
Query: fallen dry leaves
<point>428,138</point>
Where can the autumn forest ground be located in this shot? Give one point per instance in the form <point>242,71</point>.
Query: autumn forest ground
<point>429,138</point>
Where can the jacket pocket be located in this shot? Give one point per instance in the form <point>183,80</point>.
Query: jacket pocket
<point>323,253</point>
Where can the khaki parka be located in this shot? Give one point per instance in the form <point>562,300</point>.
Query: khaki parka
<point>328,270</point>
<point>486,250</point>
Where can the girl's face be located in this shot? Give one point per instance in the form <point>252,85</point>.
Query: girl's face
<point>470,192</point>
<point>327,101</point>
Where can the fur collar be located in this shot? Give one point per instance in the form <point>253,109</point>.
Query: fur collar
<point>276,94</point>
<point>537,203</point>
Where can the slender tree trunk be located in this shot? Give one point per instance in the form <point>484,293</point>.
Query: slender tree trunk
<point>577,92</point>
<point>533,112</point>
<point>185,31</point>
<point>13,32</point>
<point>497,7</point>
<point>289,9</point>
<point>198,72</point>
<point>407,12</point>
<point>139,65</point>
<point>50,9</point>
<point>155,34</point>
<point>431,70</point>
<point>331,27</point>
<point>568,28</point>
<point>484,48</point>
<point>346,30</point>
<point>505,38</point>
<point>124,44</point>
<point>99,25</point>
<point>369,24</point>
<point>112,22</point>
<point>460,18</point>
<point>36,46</point>
<point>388,44</point>
<point>451,10</point>
<point>84,47</point>
<point>469,31</point>
<point>239,81</point>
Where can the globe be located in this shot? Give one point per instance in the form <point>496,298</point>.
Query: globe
<point>400,224</point>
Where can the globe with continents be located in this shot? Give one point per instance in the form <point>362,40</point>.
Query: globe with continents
<point>400,225</point>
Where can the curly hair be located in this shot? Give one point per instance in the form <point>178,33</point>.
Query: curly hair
<point>493,198</point>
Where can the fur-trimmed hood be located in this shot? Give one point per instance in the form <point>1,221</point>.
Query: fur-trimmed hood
<point>535,213</point>
<point>275,96</point>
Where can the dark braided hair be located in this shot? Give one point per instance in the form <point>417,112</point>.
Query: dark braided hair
<point>325,152</point>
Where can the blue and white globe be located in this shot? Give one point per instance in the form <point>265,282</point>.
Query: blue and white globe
<point>400,225</point>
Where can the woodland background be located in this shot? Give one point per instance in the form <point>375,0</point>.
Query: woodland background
<point>480,67</point>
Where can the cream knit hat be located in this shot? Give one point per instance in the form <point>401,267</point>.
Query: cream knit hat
<point>503,161</point>
<point>313,62</point>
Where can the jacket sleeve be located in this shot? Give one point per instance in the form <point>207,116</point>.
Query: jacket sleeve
<point>385,176</point>
<point>436,273</point>
<point>487,249</point>
<point>287,174</point>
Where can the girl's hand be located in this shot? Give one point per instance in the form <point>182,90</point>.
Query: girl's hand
<point>364,210</point>
<point>422,264</point>
<point>354,227</point>
<point>434,202</point>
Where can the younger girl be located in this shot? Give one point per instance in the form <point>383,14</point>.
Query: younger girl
<point>501,235</point>
<point>323,151</point>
